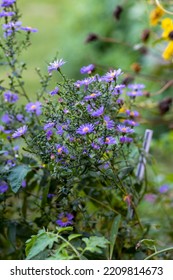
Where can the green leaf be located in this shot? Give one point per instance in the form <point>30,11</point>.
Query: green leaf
<point>94,243</point>
<point>73,236</point>
<point>149,243</point>
<point>38,243</point>
<point>17,175</point>
<point>113,233</point>
<point>61,229</point>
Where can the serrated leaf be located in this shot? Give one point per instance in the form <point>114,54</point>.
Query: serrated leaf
<point>17,175</point>
<point>94,243</point>
<point>73,236</point>
<point>38,243</point>
<point>113,233</point>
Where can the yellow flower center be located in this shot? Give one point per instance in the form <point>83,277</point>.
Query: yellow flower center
<point>85,129</point>
<point>107,140</point>
<point>60,150</point>
<point>124,129</point>
<point>64,219</point>
<point>93,94</point>
<point>33,107</point>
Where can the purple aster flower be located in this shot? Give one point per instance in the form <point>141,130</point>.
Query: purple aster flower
<point>132,113</point>
<point>136,90</point>
<point>7,3</point>
<point>120,101</point>
<point>164,188</point>
<point>2,128</point>
<point>54,66</point>
<point>49,133</point>
<point>85,82</point>
<point>11,27</point>
<point>3,187</point>
<point>108,122</point>
<point>54,91</point>
<point>16,148</point>
<point>98,112</point>
<point>109,140</point>
<point>49,125</point>
<point>95,146</point>
<point>10,162</point>
<point>65,219</point>
<point>130,122</point>
<point>124,129</point>
<point>118,89</point>
<point>6,118</point>
<point>87,69</point>
<point>6,14</point>
<point>10,97</point>
<point>29,29</point>
<point>93,95</point>
<point>85,128</point>
<point>23,184</point>
<point>61,149</point>
<point>111,75</point>
<point>34,108</point>
<point>125,139</point>
<point>20,131</point>
<point>50,195</point>
<point>60,130</point>
<point>20,117</point>
<point>136,87</point>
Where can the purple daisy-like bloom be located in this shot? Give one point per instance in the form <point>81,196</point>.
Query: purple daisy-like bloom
<point>93,95</point>
<point>118,89</point>
<point>54,66</point>
<point>2,128</point>
<point>132,114</point>
<point>109,140</point>
<point>49,133</point>
<point>23,184</point>
<point>124,129</point>
<point>65,219</point>
<point>6,14</point>
<point>164,188</point>
<point>108,122</point>
<point>136,87</point>
<point>29,29</point>
<point>85,82</point>
<point>95,146</point>
<point>6,118</point>
<point>98,112</point>
<point>49,125</point>
<point>20,132</point>
<point>61,149</point>
<point>54,91</point>
<point>85,128</point>
<point>125,139</point>
<point>87,69</point>
<point>130,122</point>
<point>110,76</point>
<point>34,108</point>
<point>3,187</point>
<point>7,3</point>
<point>11,27</point>
<point>20,117</point>
<point>10,97</point>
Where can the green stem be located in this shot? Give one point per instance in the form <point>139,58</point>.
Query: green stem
<point>70,245</point>
<point>159,252</point>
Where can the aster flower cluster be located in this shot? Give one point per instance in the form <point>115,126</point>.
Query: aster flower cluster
<point>86,125</point>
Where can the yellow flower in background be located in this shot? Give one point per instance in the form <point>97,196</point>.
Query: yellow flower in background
<point>155,15</point>
<point>167,26</point>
